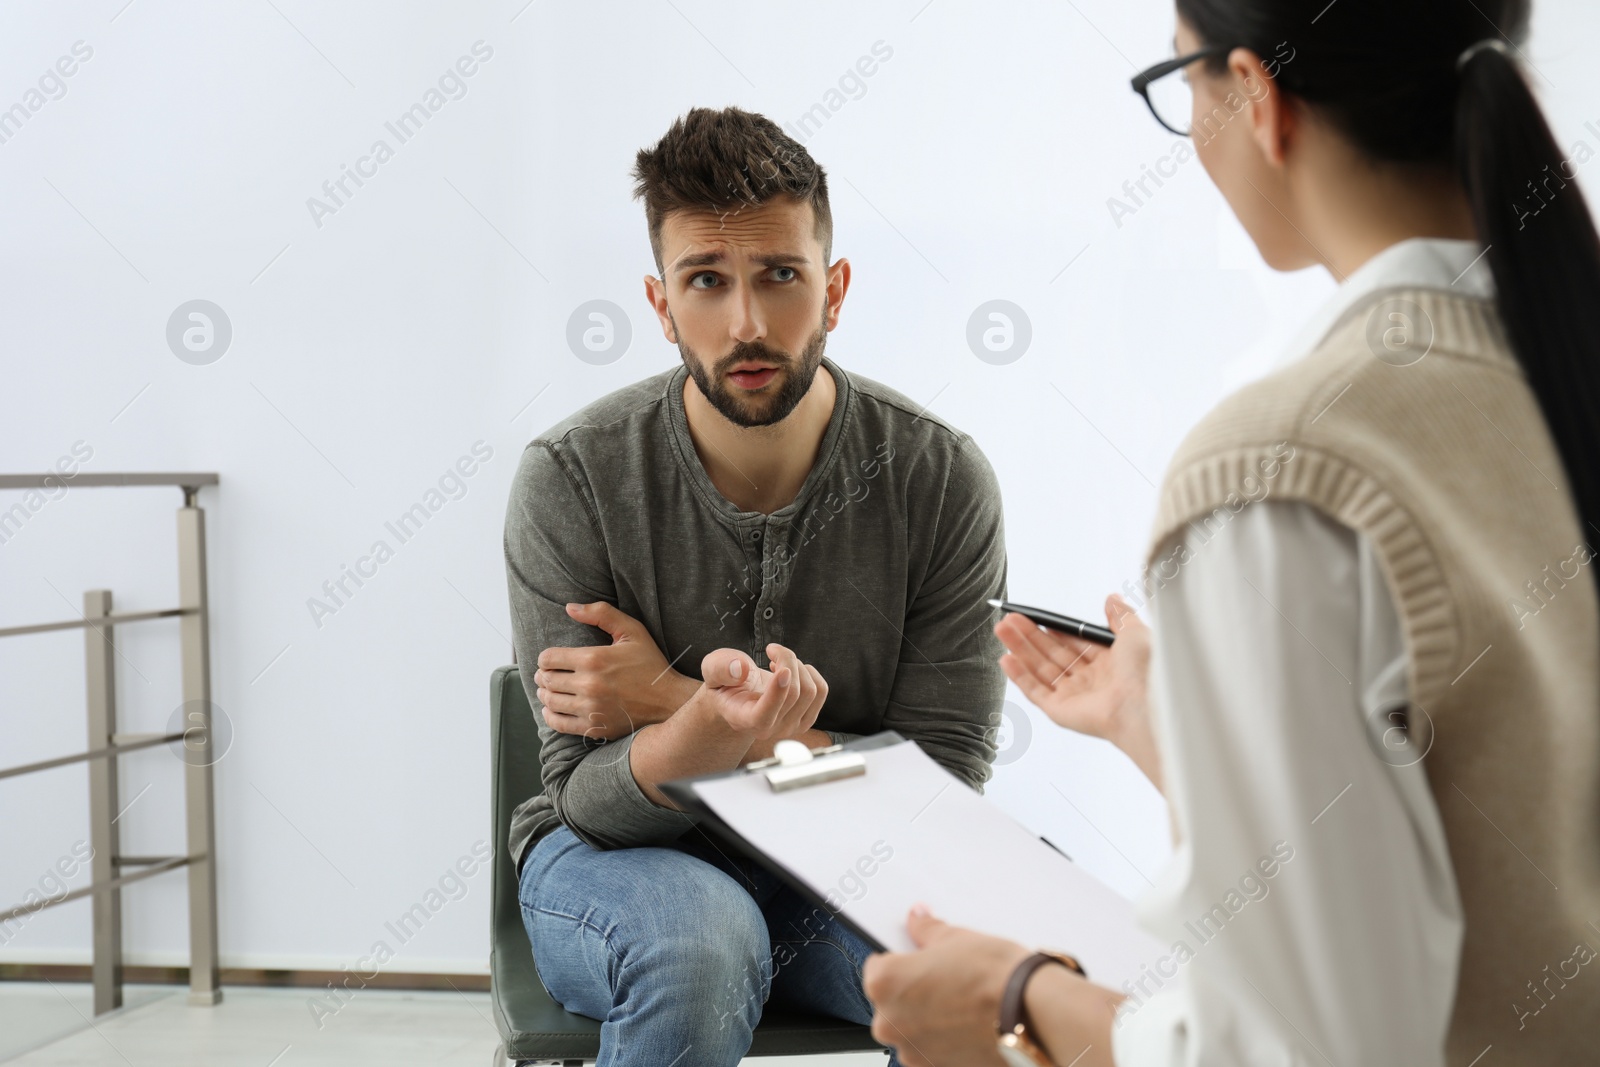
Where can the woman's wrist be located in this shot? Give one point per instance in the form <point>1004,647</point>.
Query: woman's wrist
<point>1070,1017</point>
<point>1131,732</point>
<point>1146,756</point>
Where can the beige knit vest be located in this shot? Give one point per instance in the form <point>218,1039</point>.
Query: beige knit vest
<point>1445,463</point>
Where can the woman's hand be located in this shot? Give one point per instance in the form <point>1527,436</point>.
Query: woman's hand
<point>1088,687</point>
<point>941,1004</point>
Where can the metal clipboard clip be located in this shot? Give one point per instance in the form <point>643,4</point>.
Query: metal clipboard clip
<point>793,765</point>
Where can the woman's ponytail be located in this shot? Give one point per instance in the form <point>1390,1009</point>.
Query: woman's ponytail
<point>1545,257</point>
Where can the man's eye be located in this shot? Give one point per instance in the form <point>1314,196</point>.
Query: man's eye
<point>694,281</point>
<point>792,274</point>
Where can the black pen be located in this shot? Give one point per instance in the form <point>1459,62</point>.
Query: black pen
<point>1065,623</point>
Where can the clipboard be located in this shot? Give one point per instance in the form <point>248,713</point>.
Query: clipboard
<point>865,829</point>
<point>683,792</point>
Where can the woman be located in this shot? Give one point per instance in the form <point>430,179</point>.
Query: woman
<point>1372,662</point>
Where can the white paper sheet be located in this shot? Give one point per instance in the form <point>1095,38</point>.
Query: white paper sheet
<point>909,831</point>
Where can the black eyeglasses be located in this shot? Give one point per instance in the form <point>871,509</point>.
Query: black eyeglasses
<point>1171,100</point>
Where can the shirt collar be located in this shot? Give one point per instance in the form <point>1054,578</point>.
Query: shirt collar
<point>1447,264</point>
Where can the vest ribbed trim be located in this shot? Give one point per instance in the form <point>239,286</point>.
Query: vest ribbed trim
<point>1210,466</point>
<point>1214,462</point>
<point>1432,632</point>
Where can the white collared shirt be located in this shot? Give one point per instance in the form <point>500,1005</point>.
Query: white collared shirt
<point>1278,661</point>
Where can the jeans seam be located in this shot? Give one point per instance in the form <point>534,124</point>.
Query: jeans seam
<point>583,921</point>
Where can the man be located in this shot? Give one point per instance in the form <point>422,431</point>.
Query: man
<point>816,544</point>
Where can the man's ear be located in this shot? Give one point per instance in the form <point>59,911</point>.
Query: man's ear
<point>1271,113</point>
<point>655,291</point>
<point>838,285</point>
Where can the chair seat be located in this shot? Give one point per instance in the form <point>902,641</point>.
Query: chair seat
<point>532,1026</point>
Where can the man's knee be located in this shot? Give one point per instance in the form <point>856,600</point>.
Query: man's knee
<point>698,950</point>
<point>662,915</point>
<point>712,936</point>
<point>718,961</point>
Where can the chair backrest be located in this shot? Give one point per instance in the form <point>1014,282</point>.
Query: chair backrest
<point>514,774</point>
<point>531,1025</point>
<point>515,734</point>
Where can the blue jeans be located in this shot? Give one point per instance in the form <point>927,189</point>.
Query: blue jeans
<point>675,949</point>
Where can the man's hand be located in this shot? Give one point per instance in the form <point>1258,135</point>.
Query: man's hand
<point>737,706</point>
<point>607,691</point>
<point>940,1006</point>
<point>1085,686</point>
<point>762,704</point>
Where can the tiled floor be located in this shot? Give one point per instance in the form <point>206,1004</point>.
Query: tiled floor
<point>263,1028</point>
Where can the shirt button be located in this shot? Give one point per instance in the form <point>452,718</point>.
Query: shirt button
<point>767,614</point>
<point>755,535</point>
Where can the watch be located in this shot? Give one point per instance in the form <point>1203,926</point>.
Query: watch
<point>1017,1046</point>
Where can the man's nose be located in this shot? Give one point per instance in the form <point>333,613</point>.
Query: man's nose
<point>749,324</point>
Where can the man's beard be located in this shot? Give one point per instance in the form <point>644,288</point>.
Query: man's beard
<point>744,409</point>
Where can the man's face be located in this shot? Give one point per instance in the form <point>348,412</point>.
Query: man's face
<point>745,296</point>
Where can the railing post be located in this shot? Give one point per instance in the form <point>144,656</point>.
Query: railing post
<point>101,678</point>
<point>198,750</point>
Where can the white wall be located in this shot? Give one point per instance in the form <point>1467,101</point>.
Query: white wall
<point>374,346</point>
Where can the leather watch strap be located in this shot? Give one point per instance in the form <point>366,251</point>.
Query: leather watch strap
<point>1013,1018</point>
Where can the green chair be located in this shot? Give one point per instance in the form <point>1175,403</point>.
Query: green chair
<point>533,1026</point>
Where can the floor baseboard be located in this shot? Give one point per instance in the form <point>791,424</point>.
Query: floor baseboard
<point>247,976</point>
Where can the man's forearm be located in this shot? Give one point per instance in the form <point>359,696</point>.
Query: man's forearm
<point>695,740</point>
<point>665,696</point>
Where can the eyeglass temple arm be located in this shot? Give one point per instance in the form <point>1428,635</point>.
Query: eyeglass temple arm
<point>1142,80</point>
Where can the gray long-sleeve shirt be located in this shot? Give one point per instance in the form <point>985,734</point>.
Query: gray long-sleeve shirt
<point>877,573</point>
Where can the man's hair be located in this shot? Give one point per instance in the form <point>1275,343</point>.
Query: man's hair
<point>724,161</point>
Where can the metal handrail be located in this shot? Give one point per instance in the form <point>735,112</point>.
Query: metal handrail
<point>161,866</point>
<point>105,745</point>
<point>109,620</point>
<point>114,749</point>
<point>91,481</point>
